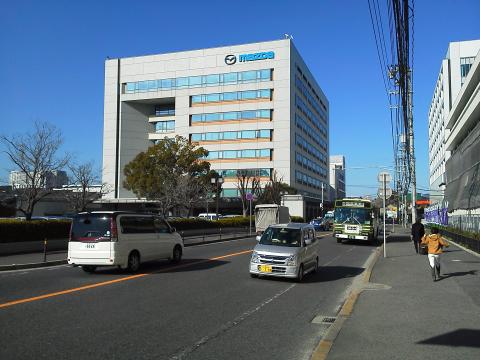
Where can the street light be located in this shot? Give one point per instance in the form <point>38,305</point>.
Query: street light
<point>216,181</point>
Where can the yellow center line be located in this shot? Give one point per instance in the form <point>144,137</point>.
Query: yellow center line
<point>127,278</point>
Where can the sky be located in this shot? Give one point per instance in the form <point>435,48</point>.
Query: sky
<point>52,56</point>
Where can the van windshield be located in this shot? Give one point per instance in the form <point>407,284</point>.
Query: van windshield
<point>87,227</point>
<point>282,237</point>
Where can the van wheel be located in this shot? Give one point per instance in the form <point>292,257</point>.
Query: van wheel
<point>89,268</point>
<point>177,254</point>
<point>133,262</point>
<point>300,274</point>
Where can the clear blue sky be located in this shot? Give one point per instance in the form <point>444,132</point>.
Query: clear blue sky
<point>52,63</point>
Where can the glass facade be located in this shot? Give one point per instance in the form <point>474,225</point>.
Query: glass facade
<point>321,110</point>
<point>198,81</point>
<point>161,111</point>
<point>303,108</point>
<point>231,116</point>
<point>232,135</point>
<point>465,65</point>
<point>231,96</point>
<point>232,173</point>
<point>309,148</point>
<point>305,179</point>
<point>239,154</point>
<point>308,130</point>
<point>164,126</point>
<point>310,165</point>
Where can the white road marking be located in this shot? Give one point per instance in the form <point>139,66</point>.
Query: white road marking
<point>224,328</point>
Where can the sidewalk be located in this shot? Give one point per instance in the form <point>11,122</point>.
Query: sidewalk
<point>34,260</point>
<point>413,317</point>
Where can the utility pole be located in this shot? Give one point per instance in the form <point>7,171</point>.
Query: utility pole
<point>412,148</point>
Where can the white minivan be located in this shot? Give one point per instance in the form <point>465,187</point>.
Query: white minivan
<point>106,238</point>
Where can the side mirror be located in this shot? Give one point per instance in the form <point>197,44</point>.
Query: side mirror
<point>258,237</point>
<point>308,241</point>
<point>174,230</point>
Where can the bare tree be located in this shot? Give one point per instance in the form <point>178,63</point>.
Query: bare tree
<point>86,186</point>
<point>272,192</point>
<point>35,156</point>
<point>192,191</point>
<point>247,181</point>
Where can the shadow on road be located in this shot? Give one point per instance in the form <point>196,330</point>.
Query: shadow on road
<point>391,238</point>
<point>332,273</point>
<point>166,266</point>
<point>460,337</point>
<point>459,273</point>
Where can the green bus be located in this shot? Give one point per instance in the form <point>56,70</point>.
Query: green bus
<point>354,219</point>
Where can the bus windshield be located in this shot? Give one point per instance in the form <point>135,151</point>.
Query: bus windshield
<point>352,216</point>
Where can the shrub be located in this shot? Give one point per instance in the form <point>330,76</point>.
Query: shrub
<point>14,230</point>
<point>193,224</point>
<point>297,219</point>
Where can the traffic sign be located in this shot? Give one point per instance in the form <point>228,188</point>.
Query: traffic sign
<point>388,192</point>
<point>249,196</point>
<point>384,176</point>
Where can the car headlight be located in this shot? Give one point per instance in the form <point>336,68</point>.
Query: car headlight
<point>255,257</point>
<point>291,260</point>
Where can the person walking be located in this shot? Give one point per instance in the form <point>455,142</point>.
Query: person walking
<point>435,244</point>
<point>418,231</point>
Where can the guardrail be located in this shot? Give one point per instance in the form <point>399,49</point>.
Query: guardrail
<point>468,242</point>
<point>222,235</point>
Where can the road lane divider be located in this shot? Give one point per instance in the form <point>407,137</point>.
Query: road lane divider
<point>109,282</point>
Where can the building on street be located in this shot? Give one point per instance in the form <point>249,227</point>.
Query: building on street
<point>254,107</point>
<point>337,176</point>
<point>454,138</point>
<point>49,180</point>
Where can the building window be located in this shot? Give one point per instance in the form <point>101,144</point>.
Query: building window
<point>232,96</point>
<point>239,154</point>
<point>164,126</point>
<point>199,81</point>
<point>465,65</point>
<point>231,116</point>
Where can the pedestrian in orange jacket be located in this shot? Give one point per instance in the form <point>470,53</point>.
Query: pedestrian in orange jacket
<point>435,245</point>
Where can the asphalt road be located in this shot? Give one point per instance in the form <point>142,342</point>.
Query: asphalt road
<point>207,307</point>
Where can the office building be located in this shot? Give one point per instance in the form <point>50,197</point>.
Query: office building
<point>451,79</point>
<point>337,176</point>
<point>254,107</point>
<point>49,180</point>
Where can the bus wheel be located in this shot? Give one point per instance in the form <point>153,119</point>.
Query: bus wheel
<point>339,240</point>
<point>89,268</point>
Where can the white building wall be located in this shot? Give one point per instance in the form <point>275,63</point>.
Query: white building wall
<point>135,109</point>
<point>447,88</point>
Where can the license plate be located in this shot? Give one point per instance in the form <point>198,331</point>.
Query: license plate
<point>265,268</point>
<point>89,246</point>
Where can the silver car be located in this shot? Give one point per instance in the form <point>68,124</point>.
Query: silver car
<point>285,250</point>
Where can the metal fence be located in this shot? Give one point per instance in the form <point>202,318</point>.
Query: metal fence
<point>469,223</point>
<point>472,244</point>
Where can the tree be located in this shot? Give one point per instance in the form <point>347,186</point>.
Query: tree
<point>273,190</point>
<point>35,156</point>
<point>247,181</point>
<point>165,171</point>
<point>87,187</point>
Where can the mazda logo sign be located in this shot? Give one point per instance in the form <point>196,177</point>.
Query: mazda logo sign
<point>230,59</point>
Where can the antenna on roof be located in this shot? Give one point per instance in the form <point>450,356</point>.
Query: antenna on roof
<point>288,36</point>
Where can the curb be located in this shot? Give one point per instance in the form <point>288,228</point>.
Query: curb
<point>32,265</point>
<point>324,346</point>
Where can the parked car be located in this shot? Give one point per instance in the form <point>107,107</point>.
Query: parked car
<point>105,238</point>
<point>285,250</point>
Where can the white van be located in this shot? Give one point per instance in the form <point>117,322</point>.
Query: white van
<point>106,238</point>
<point>209,216</point>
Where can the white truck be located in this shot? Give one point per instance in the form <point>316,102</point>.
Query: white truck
<point>269,214</point>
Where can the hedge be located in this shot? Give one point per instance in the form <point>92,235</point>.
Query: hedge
<point>469,234</point>
<point>297,219</point>
<point>13,230</point>
<point>192,224</point>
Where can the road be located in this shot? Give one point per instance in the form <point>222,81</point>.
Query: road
<point>207,307</point>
